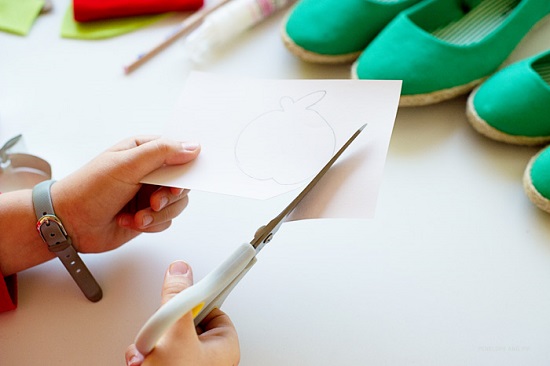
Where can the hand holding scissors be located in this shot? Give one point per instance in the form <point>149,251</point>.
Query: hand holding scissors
<point>213,289</point>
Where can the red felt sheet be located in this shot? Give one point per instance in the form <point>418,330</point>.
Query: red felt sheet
<point>88,10</point>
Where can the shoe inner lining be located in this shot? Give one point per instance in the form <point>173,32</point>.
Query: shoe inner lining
<point>477,23</point>
<point>543,69</point>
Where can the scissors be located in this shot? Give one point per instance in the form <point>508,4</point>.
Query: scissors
<point>210,292</point>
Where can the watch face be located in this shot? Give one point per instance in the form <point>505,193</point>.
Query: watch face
<point>23,171</point>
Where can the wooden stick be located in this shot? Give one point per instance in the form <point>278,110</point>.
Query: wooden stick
<point>188,25</point>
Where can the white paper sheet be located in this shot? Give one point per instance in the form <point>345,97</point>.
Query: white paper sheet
<point>264,138</point>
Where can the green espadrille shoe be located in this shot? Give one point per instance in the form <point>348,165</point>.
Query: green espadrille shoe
<point>536,179</point>
<point>444,48</point>
<point>513,105</point>
<point>337,31</point>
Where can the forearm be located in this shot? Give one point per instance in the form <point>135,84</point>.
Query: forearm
<point>20,245</point>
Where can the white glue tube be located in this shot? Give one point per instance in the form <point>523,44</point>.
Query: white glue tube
<point>227,23</point>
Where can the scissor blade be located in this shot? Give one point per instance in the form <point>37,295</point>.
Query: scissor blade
<point>266,232</point>
<point>7,146</point>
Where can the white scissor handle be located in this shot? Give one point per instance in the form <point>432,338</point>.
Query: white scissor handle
<point>206,294</point>
<point>218,300</point>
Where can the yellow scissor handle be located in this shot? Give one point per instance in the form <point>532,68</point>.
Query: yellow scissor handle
<point>197,310</point>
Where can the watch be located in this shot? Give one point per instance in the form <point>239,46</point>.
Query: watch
<point>53,233</point>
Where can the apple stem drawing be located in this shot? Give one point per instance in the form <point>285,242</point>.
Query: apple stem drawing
<point>295,141</point>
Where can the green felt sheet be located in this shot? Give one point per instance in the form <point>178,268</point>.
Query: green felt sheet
<point>17,16</point>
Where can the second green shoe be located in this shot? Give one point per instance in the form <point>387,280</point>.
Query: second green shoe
<point>513,105</point>
<point>337,31</point>
<point>444,48</point>
<point>536,179</point>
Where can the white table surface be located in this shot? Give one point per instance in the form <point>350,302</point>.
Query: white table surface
<point>454,269</point>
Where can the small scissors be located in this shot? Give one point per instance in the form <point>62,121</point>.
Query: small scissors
<point>212,290</point>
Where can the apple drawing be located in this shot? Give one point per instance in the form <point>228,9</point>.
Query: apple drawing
<point>287,145</point>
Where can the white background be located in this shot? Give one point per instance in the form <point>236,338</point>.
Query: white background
<point>454,269</point>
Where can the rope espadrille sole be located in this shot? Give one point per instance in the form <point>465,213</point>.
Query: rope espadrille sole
<point>534,195</point>
<point>418,100</point>
<point>313,57</point>
<point>317,58</point>
<point>481,126</point>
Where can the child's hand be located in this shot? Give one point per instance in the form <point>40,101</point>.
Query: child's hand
<point>215,343</point>
<point>103,204</point>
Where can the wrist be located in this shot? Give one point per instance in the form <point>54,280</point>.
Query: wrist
<point>64,210</point>
<point>20,245</point>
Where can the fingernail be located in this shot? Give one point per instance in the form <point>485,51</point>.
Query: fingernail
<point>177,191</point>
<point>178,268</point>
<point>147,219</point>
<point>190,146</point>
<point>134,361</point>
<point>163,202</point>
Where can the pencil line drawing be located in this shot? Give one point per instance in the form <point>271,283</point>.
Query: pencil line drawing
<point>287,145</point>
